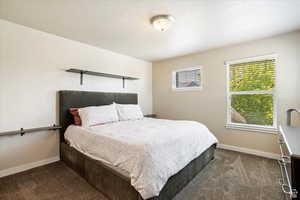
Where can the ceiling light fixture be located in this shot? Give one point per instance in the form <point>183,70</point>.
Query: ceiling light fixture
<point>162,22</point>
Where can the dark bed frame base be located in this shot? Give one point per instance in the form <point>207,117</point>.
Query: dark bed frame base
<point>117,187</point>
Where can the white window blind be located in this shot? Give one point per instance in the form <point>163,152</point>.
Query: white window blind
<point>187,78</point>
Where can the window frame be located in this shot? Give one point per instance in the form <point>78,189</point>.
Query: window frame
<point>252,127</point>
<point>174,88</point>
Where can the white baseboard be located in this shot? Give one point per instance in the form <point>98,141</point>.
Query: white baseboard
<point>28,166</point>
<point>249,151</point>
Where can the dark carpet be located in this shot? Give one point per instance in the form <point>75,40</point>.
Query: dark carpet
<point>231,176</point>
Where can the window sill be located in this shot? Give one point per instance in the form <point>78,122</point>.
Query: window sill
<point>254,128</point>
<point>187,89</point>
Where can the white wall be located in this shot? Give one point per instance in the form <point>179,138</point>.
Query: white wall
<point>209,105</point>
<point>32,70</point>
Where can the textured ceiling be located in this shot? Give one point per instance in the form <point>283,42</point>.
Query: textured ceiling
<point>123,25</point>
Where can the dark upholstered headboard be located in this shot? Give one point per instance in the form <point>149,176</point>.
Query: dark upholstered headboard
<point>78,99</point>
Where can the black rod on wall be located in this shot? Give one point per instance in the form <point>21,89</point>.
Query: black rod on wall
<point>82,72</point>
<point>81,78</point>
<point>22,131</point>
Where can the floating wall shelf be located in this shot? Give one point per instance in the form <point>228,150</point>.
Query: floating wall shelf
<point>82,72</point>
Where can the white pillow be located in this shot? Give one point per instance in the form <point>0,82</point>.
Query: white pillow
<point>129,112</point>
<point>96,115</point>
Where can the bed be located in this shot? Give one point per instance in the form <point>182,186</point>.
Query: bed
<point>108,177</point>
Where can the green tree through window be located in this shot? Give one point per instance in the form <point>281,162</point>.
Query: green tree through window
<point>251,90</point>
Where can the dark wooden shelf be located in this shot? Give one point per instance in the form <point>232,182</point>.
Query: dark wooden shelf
<point>81,72</point>
<point>151,116</point>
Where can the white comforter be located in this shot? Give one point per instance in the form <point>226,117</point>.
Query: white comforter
<point>149,150</point>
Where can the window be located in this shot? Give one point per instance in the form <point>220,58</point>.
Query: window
<point>251,97</point>
<point>187,79</point>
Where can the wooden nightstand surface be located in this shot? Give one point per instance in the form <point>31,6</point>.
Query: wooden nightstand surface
<point>150,115</point>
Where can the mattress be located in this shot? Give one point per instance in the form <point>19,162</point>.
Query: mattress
<point>147,151</point>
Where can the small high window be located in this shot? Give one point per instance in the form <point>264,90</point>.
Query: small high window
<point>187,79</point>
